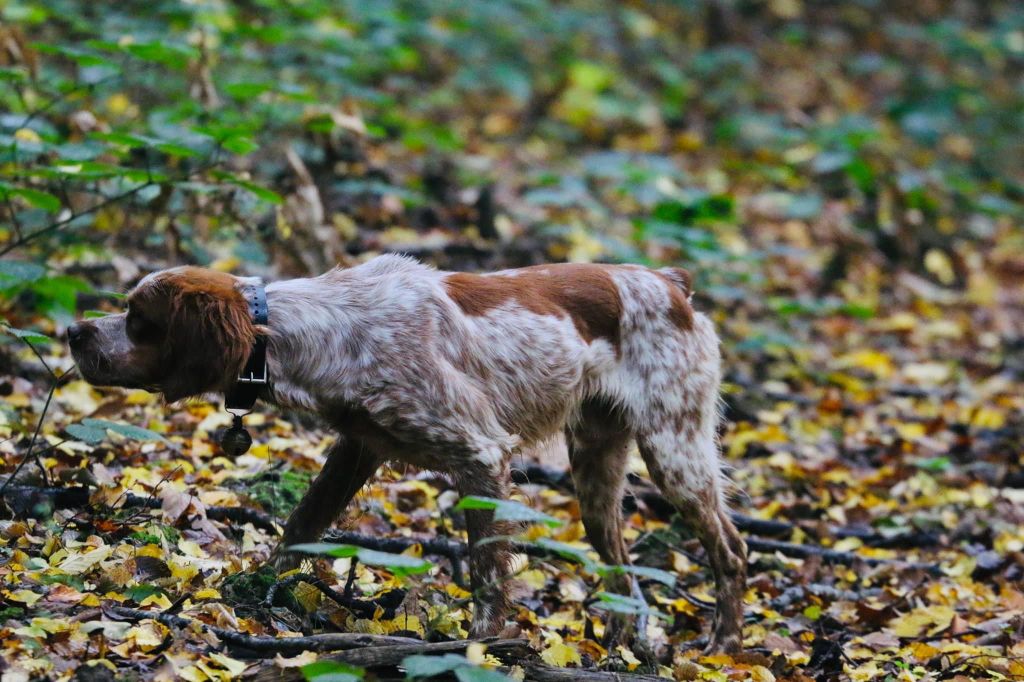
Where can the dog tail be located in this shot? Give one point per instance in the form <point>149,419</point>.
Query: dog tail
<point>681,278</point>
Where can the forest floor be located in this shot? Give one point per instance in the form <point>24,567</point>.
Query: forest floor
<point>878,484</point>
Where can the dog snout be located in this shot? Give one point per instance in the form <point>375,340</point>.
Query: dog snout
<point>78,333</point>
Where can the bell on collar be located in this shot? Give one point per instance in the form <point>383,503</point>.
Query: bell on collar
<point>236,440</point>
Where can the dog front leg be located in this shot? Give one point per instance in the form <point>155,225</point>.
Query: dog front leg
<point>488,561</point>
<point>349,465</point>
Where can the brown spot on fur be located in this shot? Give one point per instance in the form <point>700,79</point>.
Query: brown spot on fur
<point>680,312</point>
<point>583,292</point>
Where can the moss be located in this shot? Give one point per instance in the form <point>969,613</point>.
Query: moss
<point>278,492</point>
<point>249,588</point>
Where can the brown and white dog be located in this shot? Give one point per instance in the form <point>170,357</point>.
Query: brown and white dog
<point>456,372</point>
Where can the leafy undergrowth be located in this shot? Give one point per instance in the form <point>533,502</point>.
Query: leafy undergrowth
<point>893,442</point>
<point>843,180</point>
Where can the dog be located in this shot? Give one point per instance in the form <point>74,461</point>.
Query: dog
<point>457,372</point>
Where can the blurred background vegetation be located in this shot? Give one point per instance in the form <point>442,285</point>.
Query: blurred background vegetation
<point>746,139</point>
<point>843,179</point>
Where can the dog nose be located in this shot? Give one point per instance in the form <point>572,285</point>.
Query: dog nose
<point>76,334</point>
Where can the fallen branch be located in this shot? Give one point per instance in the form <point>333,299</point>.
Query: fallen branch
<point>392,656</point>
<point>664,510</point>
<point>538,672</point>
<point>512,652</point>
<point>800,593</point>
<point>830,556</point>
<point>449,549</point>
<point>24,499</point>
<point>332,641</point>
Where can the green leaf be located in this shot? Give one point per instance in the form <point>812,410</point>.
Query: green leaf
<point>477,673</point>
<point>508,510</point>
<point>19,272</point>
<point>935,464</point>
<point>239,144</point>
<point>33,197</point>
<point>87,434</point>
<point>622,604</point>
<point>174,56</point>
<point>95,431</point>
<point>261,192</point>
<point>332,671</point>
<point>27,335</point>
<point>139,592</point>
<point>567,552</point>
<point>246,90</point>
<point>399,564</point>
<point>428,666</point>
<point>663,577</point>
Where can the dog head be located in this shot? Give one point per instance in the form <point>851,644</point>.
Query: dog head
<point>185,331</point>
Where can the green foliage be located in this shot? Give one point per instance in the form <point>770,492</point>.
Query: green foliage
<point>119,118</point>
<point>332,671</point>
<point>508,510</point>
<point>422,667</point>
<point>399,564</point>
<point>94,431</point>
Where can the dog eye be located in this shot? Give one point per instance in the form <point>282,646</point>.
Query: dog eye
<point>141,329</point>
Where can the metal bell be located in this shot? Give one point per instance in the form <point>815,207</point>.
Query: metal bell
<point>236,440</point>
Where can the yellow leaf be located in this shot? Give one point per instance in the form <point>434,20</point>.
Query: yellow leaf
<point>922,652</point>
<point>632,662</point>
<point>207,593</point>
<point>872,361</point>
<point>118,104</point>
<point>159,600</point>
<point>233,666</point>
<point>308,596</point>
<point>305,658</point>
<point>559,654</point>
<point>24,596</point>
<point>192,674</point>
<point>148,634</point>
<point>26,135</point>
<point>922,620</point>
<point>475,653</point>
<point>154,551</point>
<point>717,660</point>
<point>759,673</point>
<point>80,563</point>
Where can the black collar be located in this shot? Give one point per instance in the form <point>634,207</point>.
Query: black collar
<point>243,395</point>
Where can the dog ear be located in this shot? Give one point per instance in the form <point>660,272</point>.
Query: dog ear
<point>210,336</point>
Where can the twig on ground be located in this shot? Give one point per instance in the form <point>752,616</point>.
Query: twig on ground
<point>55,383</point>
<point>449,549</point>
<point>367,608</point>
<point>829,556</point>
<point>663,509</point>
<point>22,498</point>
<point>270,646</point>
<point>512,652</point>
<point>799,593</point>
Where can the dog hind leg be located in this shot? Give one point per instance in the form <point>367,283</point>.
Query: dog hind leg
<point>683,461</point>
